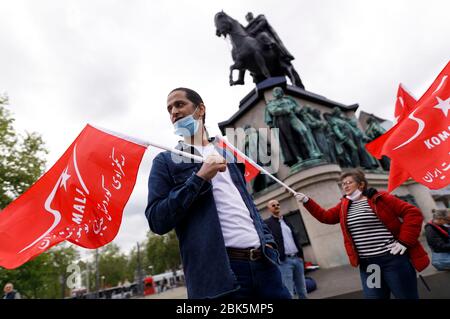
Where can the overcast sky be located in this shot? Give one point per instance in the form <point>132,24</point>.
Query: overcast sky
<point>66,63</point>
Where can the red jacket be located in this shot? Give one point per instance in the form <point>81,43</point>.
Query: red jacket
<point>389,210</point>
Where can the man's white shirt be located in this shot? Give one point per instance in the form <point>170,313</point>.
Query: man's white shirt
<point>288,238</point>
<point>237,226</point>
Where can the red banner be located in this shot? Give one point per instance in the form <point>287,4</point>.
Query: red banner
<point>404,105</point>
<point>420,143</point>
<point>80,199</point>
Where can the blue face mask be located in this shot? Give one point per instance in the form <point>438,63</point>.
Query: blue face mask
<point>187,126</point>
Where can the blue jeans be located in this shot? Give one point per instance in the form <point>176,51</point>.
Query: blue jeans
<point>293,273</point>
<point>441,261</point>
<point>257,279</point>
<point>388,274</point>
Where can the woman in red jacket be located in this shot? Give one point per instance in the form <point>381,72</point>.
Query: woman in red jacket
<point>380,235</point>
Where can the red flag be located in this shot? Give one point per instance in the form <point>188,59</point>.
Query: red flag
<point>404,105</point>
<point>397,176</point>
<point>420,143</point>
<point>251,168</point>
<point>80,199</point>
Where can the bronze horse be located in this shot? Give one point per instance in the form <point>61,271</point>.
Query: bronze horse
<point>256,54</point>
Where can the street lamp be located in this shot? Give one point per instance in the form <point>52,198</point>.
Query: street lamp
<point>62,280</point>
<point>151,269</point>
<point>103,282</point>
<point>97,275</point>
<point>86,274</point>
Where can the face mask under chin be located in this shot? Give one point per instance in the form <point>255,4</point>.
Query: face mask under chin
<point>187,126</point>
<point>355,195</point>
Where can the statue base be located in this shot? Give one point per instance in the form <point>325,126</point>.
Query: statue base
<point>306,164</point>
<point>314,177</point>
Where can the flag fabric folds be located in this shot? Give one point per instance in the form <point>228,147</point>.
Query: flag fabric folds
<point>80,199</point>
<point>420,143</point>
<point>404,105</point>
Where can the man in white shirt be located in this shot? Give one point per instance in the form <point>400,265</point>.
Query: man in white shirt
<point>226,248</point>
<point>291,253</point>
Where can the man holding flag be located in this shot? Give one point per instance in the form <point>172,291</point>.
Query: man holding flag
<point>226,248</point>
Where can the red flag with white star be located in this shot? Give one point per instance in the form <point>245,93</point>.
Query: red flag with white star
<point>420,143</point>
<point>404,105</point>
<point>80,199</point>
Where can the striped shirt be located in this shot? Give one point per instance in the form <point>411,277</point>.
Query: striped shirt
<point>370,236</point>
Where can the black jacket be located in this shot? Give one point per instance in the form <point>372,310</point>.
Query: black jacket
<point>275,228</point>
<point>12,295</point>
<point>437,239</point>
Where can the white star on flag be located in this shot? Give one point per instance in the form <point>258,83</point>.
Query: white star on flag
<point>64,177</point>
<point>443,105</point>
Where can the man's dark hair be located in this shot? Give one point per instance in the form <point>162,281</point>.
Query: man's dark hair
<point>192,96</point>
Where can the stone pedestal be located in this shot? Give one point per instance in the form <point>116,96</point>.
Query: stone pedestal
<point>319,180</point>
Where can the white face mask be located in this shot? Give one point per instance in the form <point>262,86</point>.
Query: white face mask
<point>355,195</point>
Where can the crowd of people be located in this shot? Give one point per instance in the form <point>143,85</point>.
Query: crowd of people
<point>229,252</point>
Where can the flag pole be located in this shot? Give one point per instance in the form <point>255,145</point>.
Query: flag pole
<point>196,157</point>
<point>201,159</point>
<point>178,152</point>
<point>276,179</point>
<point>259,167</point>
<point>147,143</point>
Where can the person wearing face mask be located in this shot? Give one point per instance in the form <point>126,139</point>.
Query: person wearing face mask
<point>380,232</point>
<point>437,232</point>
<point>226,249</point>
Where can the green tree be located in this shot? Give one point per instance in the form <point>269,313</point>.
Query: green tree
<point>44,276</point>
<point>21,164</point>
<point>112,265</point>
<point>132,266</point>
<point>21,157</point>
<point>162,252</point>
<point>30,278</point>
<point>61,257</point>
